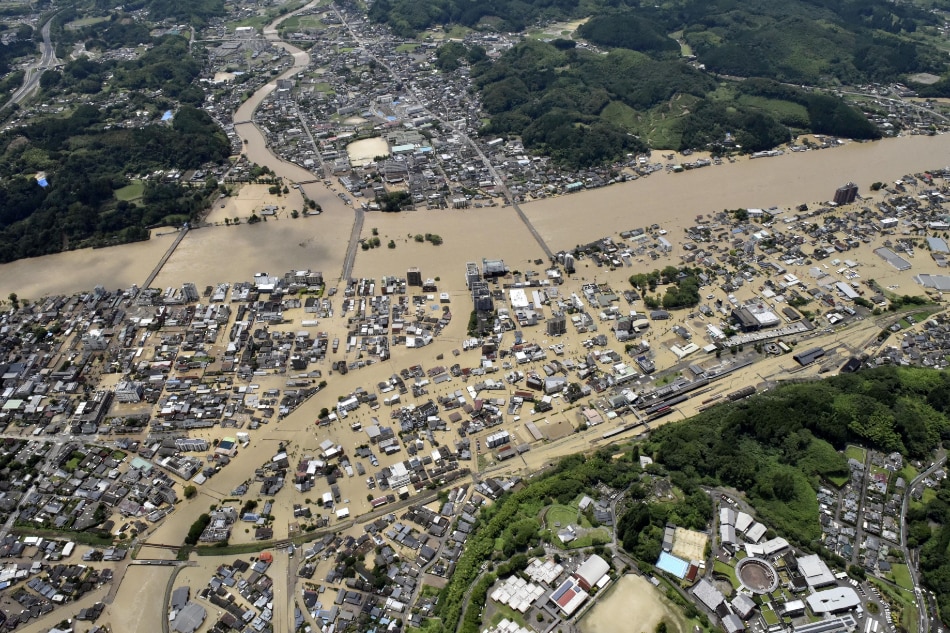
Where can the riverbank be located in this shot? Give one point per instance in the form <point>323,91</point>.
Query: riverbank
<point>671,199</point>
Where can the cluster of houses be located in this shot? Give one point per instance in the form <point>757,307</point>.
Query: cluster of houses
<point>37,583</point>
<point>861,520</point>
<point>242,594</point>
<point>422,540</point>
<point>80,486</point>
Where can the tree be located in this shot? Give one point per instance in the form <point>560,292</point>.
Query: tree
<point>190,492</point>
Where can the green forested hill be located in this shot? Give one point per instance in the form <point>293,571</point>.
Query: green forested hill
<point>85,162</point>
<point>778,445</point>
<point>800,41</point>
<point>582,108</point>
<point>90,154</point>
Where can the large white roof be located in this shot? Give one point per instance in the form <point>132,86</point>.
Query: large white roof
<point>593,569</point>
<point>833,600</point>
<point>815,571</point>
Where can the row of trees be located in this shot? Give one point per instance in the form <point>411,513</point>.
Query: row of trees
<point>682,289</point>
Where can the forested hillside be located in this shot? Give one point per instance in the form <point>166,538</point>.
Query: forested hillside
<point>582,108</point>
<point>90,154</point>
<point>800,41</point>
<point>778,445</point>
<point>85,162</point>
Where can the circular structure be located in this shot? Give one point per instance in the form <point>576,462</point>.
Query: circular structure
<point>757,575</point>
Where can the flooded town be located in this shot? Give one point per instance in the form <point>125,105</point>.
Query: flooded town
<point>296,413</point>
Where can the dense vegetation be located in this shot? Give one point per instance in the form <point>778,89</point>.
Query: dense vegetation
<point>408,17</point>
<point>682,287</point>
<point>582,108</point>
<point>85,161</point>
<point>800,41</point>
<point>512,522</point>
<point>193,12</point>
<point>778,445</point>
<point>20,46</point>
<point>628,29</point>
<point>167,66</point>
<point>928,527</point>
<point>93,152</point>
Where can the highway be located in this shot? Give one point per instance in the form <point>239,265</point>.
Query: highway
<point>47,60</point>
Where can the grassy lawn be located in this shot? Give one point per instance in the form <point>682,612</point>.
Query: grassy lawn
<point>785,111</point>
<point>408,47</point>
<point>929,495</point>
<point>769,616</point>
<point>601,535</point>
<point>563,515</point>
<point>901,575</point>
<point>685,49</point>
<point>132,191</point>
<point>903,606</point>
<point>728,571</point>
<point>839,480</point>
<point>431,625</point>
<point>502,611</point>
<point>855,452</point>
<point>303,22</point>
<point>78,24</point>
<point>908,472</point>
<point>323,87</point>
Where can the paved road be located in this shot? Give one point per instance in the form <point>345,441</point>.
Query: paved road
<point>31,80</point>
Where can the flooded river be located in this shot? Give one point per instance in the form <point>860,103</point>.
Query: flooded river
<point>222,253</point>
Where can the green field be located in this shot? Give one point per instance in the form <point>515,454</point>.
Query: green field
<point>408,47</point>
<point>855,452</point>
<point>130,192</point>
<point>901,576</point>
<point>838,481</point>
<point>302,22</point>
<point>769,616</point>
<point>685,49</point>
<point>593,537</point>
<point>785,111</point>
<point>78,24</point>
<point>503,611</point>
<point>558,514</point>
<point>928,495</point>
<point>726,570</point>
<point>902,604</point>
